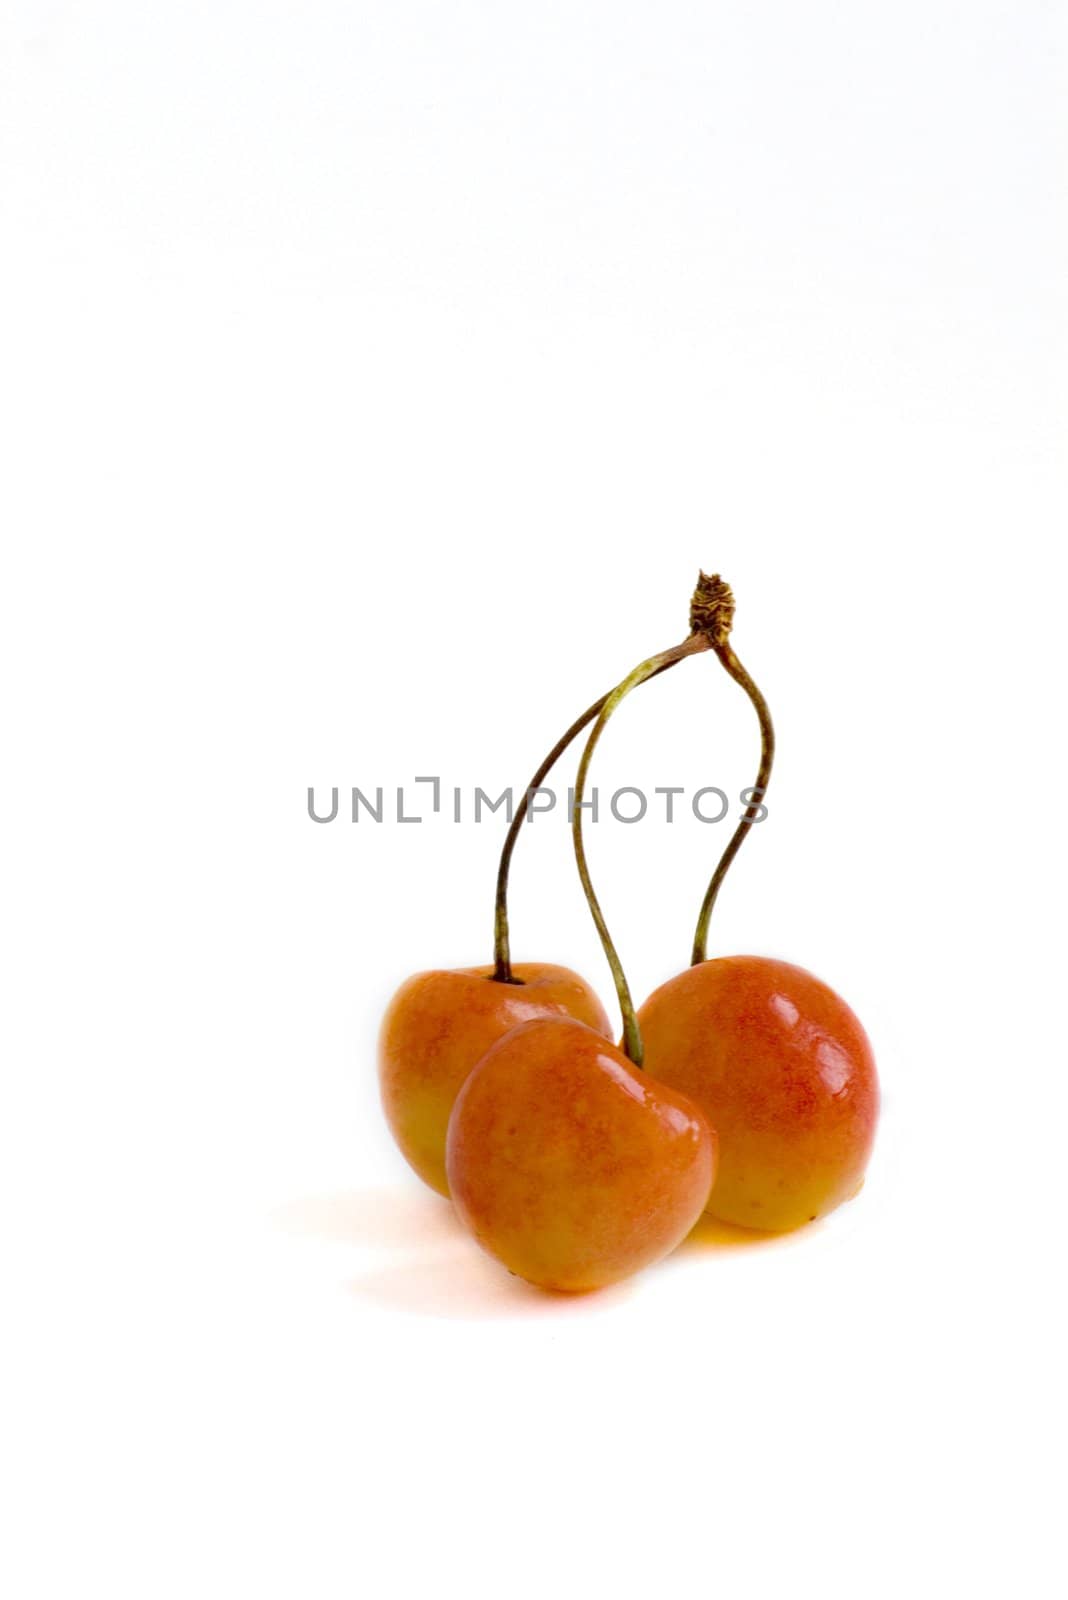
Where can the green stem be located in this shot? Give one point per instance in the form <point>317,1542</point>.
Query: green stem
<point>632,1042</point>
<point>502,957</point>
<point>767,755</point>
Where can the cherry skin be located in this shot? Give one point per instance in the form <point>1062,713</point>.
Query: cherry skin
<point>439,1024</point>
<point>783,1071</point>
<point>570,1165</point>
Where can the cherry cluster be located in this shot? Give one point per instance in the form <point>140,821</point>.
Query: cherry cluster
<point>744,1086</point>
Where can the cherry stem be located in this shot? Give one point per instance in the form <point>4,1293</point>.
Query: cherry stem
<point>767,755</point>
<point>502,958</point>
<point>698,641</point>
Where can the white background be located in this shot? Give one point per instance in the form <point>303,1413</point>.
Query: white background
<point>375,379</point>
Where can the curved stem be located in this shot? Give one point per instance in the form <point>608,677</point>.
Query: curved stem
<point>767,755</point>
<point>502,958</point>
<point>632,1042</point>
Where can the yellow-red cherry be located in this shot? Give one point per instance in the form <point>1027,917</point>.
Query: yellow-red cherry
<point>570,1165</point>
<point>437,1027</point>
<point>783,1070</point>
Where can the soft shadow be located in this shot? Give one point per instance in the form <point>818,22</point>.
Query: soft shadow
<point>708,1233</point>
<point>467,1284</point>
<point>379,1218</point>
<point>444,1273</point>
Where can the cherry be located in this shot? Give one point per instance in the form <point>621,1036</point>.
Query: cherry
<point>776,1060</point>
<point>567,1162</point>
<point>570,1165</point>
<point>436,1028</point>
<point>439,1023</point>
<point>783,1069</point>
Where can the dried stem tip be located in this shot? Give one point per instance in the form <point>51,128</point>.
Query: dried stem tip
<point>712,608</point>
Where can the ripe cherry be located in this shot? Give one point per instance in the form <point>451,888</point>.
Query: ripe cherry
<point>776,1060</point>
<point>568,1164</point>
<point>782,1067</point>
<point>439,1023</point>
<point>566,1161</point>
